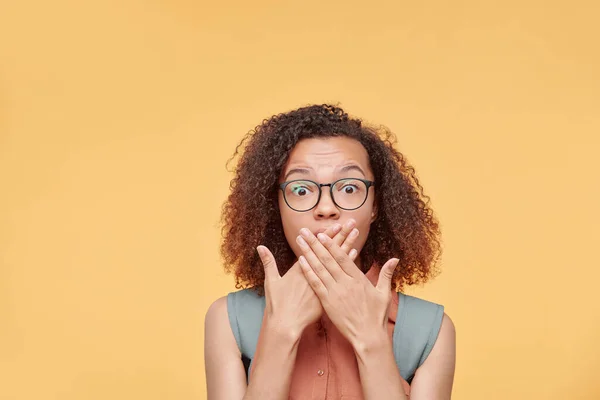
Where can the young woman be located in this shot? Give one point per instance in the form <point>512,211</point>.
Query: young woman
<point>325,225</point>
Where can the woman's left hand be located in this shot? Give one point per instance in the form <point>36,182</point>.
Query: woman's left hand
<point>357,308</point>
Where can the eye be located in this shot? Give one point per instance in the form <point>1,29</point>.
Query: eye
<point>300,189</point>
<point>349,187</point>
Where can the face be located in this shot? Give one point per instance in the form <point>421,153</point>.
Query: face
<point>325,161</point>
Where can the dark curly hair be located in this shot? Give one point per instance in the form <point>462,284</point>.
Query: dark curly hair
<point>405,226</point>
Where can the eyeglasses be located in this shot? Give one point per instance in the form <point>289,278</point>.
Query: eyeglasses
<point>348,193</point>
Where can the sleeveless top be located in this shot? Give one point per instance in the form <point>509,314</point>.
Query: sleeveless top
<point>326,366</point>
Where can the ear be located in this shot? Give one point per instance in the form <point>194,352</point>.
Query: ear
<point>374,213</point>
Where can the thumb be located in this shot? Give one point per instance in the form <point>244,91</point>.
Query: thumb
<point>384,282</point>
<point>268,261</point>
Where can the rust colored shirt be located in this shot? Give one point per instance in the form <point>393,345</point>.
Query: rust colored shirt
<point>326,366</point>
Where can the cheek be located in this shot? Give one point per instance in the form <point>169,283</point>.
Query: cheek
<point>291,232</point>
<point>363,224</point>
<point>362,237</point>
<point>291,227</point>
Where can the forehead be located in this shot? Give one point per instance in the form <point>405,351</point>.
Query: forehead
<point>328,152</point>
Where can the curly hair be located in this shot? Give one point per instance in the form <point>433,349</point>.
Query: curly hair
<point>405,226</point>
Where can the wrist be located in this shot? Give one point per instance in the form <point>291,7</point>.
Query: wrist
<point>372,346</point>
<point>284,331</point>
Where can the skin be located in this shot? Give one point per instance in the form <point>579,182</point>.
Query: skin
<point>324,161</point>
<point>327,279</point>
<point>225,374</point>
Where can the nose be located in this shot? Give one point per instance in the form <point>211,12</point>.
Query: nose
<point>326,208</point>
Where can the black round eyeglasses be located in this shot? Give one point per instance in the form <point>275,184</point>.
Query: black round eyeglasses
<point>347,193</point>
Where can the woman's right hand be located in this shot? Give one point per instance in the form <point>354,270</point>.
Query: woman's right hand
<point>291,304</point>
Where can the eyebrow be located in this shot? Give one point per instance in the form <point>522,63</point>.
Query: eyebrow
<point>305,171</point>
<point>353,168</point>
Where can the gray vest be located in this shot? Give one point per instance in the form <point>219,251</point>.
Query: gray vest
<point>417,326</point>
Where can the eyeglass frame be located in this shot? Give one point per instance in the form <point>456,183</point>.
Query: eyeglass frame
<point>367,183</point>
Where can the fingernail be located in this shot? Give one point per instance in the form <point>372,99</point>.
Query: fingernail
<point>260,251</point>
<point>301,241</point>
<point>350,224</point>
<point>322,237</point>
<point>337,228</point>
<point>304,265</point>
<point>305,232</point>
<point>354,233</point>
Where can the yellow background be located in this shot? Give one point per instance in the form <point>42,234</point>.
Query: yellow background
<point>117,118</point>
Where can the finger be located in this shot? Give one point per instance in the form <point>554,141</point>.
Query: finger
<point>384,283</point>
<point>313,279</point>
<point>340,238</point>
<point>317,264</point>
<point>333,230</point>
<point>269,264</point>
<point>329,250</point>
<point>350,240</point>
<point>353,254</point>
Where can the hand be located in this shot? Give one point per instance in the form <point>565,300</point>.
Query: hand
<point>357,308</point>
<point>290,302</point>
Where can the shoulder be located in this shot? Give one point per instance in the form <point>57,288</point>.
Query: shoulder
<point>216,311</point>
<point>434,379</point>
<point>416,314</point>
<point>225,374</point>
<point>237,315</point>
<point>220,308</point>
<point>217,329</point>
<point>446,339</point>
<point>448,327</point>
<point>430,318</point>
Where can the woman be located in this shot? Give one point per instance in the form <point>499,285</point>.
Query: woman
<point>324,226</point>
